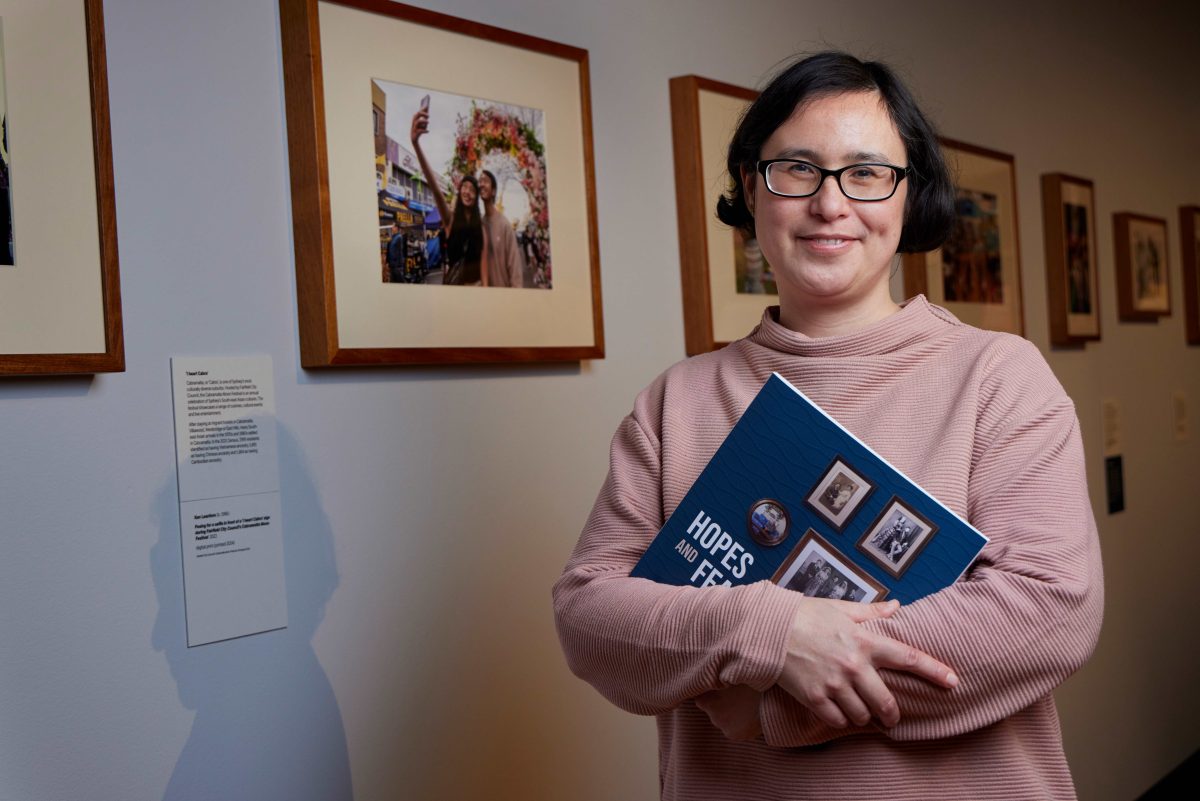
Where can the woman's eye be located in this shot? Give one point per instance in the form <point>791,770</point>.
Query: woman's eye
<point>800,168</point>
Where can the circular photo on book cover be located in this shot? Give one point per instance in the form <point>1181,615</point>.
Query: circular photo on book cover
<point>768,522</point>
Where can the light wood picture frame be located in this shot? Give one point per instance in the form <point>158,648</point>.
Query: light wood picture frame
<point>716,310</point>
<point>336,53</point>
<point>976,275</point>
<point>60,295</point>
<point>1072,271</point>
<point>1142,266</point>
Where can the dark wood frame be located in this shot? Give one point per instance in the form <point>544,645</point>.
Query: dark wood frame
<point>915,264</point>
<point>311,220</point>
<point>812,536</point>
<point>691,208</point>
<point>824,513</point>
<point>112,359</point>
<point>1189,230</point>
<point>1124,267</point>
<point>787,525</point>
<point>1057,282</point>
<point>911,556</point>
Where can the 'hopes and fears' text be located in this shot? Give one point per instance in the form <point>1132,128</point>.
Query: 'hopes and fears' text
<point>715,540</point>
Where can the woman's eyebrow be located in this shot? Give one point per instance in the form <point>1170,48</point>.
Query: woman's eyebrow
<point>850,158</point>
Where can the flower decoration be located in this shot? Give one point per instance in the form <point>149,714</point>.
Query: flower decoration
<point>490,129</point>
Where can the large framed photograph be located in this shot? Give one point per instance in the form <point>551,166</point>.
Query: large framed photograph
<point>1072,285</point>
<point>1143,283</point>
<point>977,273</point>
<point>1189,227</point>
<point>838,494</point>
<point>60,298</point>
<point>896,537</point>
<point>817,569</point>
<point>443,207</point>
<point>726,282</point>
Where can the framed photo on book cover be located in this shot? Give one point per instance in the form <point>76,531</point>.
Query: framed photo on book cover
<point>896,537</point>
<point>817,569</point>
<point>1143,278</point>
<point>726,282</point>
<point>977,273</point>
<point>443,189</point>
<point>1189,227</point>
<point>838,494</point>
<point>60,297</point>
<point>1072,285</point>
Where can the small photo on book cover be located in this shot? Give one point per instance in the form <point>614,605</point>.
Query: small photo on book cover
<point>817,569</point>
<point>839,493</point>
<point>896,537</point>
<point>767,522</point>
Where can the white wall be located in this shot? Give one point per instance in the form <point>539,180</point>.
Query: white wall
<point>423,536</point>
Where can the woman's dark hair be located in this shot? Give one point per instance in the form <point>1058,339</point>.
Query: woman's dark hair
<point>462,212</point>
<point>465,245</point>
<point>929,212</point>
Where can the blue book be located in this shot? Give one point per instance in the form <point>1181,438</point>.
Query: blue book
<point>794,497</point>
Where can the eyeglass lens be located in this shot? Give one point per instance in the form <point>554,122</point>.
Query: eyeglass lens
<point>858,181</point>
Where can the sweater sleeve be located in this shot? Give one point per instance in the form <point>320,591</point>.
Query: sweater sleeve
<point>1028,613</point>
<point>648,647</point>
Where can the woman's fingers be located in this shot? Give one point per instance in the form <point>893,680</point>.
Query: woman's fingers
<point>832,664</point>
<point>829,712</point>
<point>896,655</point>
<point>733,710</point>
<point>878,698</point>
<point>859,612</point>
<point>853,705</point>
<point>420,124</point>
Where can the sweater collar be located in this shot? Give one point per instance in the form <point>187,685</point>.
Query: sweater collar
<point>916,321</point>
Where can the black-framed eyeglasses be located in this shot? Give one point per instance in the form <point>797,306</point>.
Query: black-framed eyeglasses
<point>865,182</point>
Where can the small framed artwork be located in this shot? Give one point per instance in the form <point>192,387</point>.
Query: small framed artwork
<point>977,273</point>
<point>1189,227</point>
<point>839,493</point>
<point>817,569</point>
<point>1072,288</point>
<point>896,537</point>
<point>768,522</point>
<point>726,281</point>
<point>1143,284</point>
<point>443,209</point>
<point>60,296</point>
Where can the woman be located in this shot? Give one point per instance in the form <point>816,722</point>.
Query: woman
<point>837,171</point>
<point>839,589</point>
<point>816,585</point>
<point>466,247</point>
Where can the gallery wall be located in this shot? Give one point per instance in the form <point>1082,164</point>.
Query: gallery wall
<point>427,511</point>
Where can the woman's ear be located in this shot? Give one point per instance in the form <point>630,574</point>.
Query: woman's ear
<point>749,182</point>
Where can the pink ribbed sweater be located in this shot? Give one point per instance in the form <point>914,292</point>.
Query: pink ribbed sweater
<point>975,417</point>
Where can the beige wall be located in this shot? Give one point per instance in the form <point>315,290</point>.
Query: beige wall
<point>439,505</point>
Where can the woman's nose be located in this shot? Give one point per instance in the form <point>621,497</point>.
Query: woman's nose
<point>829,202</point>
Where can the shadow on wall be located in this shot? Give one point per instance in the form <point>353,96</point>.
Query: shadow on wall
<point>267,725</point>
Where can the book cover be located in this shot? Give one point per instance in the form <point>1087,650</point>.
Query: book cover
<point>793,497</point>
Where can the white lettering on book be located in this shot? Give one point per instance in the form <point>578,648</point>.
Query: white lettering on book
<point>714,539</point>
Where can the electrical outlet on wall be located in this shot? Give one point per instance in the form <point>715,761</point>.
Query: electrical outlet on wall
<point>1111,426</point>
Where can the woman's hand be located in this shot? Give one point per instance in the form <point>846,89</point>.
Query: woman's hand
<point>420,125</point>
<point>832,664</point>
<point>734,710</point>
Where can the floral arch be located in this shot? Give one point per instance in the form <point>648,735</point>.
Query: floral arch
<point>491,129</point>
